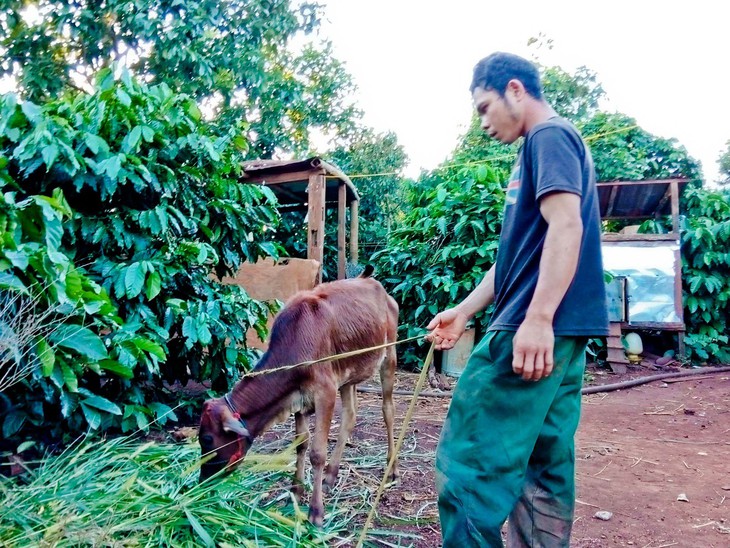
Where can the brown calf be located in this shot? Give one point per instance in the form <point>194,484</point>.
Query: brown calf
<point>332,318</point>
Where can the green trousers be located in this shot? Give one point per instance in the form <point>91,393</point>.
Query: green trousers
<point>507,449</point>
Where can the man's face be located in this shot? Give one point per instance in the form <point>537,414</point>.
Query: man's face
<point>500,116</point>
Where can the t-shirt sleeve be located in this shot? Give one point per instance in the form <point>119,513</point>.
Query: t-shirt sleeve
<point>556,157</point>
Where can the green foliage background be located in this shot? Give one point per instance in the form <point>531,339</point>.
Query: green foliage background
<point>120,200</point>
<point>118,208</point>
<point>706,273</point>
<point>443,246</point>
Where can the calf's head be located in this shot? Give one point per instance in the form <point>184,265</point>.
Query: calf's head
<point>222,437</point>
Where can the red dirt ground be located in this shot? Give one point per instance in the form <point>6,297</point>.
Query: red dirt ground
<point>639,451</point>
<point>657,456</point>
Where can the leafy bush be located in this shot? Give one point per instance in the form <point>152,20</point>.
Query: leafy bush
<point>706,274</point>
<point>445,245</point>
<point>117,208</point>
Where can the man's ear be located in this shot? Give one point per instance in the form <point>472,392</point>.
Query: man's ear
<point>516,89</point>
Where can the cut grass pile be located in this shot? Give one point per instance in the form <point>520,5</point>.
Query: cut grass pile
<point>123,493</point>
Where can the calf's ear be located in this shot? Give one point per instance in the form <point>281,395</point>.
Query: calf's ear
<point>231,424</point>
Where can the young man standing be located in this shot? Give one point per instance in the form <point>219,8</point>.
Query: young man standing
<point>506,449</point>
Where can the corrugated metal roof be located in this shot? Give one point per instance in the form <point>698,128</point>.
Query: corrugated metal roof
<point>637,199</point>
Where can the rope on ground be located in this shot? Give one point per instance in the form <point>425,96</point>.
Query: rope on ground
<point>425,394</point>
<point>401,437</point>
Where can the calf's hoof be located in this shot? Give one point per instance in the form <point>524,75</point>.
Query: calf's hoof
<point>316,516</point>
<point>329,480</point>
<point>393,476</point>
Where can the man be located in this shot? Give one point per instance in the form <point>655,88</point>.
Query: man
<point>506,449</point>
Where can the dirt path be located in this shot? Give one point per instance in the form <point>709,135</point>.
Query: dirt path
<point>638,452</point>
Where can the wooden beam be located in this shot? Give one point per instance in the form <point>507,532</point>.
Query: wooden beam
<point>678,303</point>
<point>625,217</point>
<point>341,232</point>
<point>658,326</point>
<point>278,178</point>
<point>354,227</point>
<point>635,183</point>
<point>315,224</point>
<point>639,237</point>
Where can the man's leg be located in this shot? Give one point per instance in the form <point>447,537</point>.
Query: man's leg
<point>543,516</point>
<point>492,425</point>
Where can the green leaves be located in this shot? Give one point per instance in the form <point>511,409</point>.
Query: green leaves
<point>97,402</point>
<point>706,273</point>
<point>131,141</point>
<point>131,183</point>
<point>80,340</point>
<point>134,279</point>
<point>446,242</point>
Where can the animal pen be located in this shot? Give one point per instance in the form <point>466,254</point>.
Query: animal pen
<point>313,185</point>
<point>310,185</point>
<point>646,291</point>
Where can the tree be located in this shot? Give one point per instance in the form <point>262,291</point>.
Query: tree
<point>706,273</point>
<point>235,57</point>
<point>724,165</point>
<point>380,196</point>
<point>623,150</point>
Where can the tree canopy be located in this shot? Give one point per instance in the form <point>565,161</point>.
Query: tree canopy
<point>724,164</point>
<point>380,155</point>
<point>238,58</point>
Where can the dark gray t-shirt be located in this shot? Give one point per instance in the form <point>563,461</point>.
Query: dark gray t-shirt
<point>553,158</point>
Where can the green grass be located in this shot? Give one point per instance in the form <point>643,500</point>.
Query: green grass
<point>122,493</point>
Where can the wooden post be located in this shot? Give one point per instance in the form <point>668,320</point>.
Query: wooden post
<point>315,216</point>
<point>341,236</point>
<point>674,189</point>
<point>681,347</point>
<point>678,305</point>
<point>353,231</point>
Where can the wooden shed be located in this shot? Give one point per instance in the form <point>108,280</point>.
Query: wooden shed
<point>643,260</point>
<point>312,185</point>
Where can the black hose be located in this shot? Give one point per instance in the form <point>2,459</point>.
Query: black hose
<point>651,378</point>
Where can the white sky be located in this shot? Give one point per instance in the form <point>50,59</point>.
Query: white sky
<point>664,63</point>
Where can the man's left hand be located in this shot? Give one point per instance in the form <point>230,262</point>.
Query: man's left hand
<point>532,349</point>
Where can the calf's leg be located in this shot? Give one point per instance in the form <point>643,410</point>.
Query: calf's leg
<point>301,424</point>
<point>349,412</point>
<point>324,406</point>
<point>387,380</point>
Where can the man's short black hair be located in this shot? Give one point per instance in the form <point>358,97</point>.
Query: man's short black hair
<point>495,72</point>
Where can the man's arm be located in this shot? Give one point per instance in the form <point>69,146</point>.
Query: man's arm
<point>449,325</point>
<point>534,340</point>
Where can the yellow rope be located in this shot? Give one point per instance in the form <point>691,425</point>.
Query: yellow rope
<point>486,160</point>
<point>328,358</point>
<point>394,456</point>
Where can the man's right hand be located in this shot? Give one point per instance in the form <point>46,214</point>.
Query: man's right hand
<point>446,328</point>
